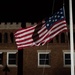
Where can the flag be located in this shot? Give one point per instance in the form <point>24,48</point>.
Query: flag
<point>41,33</point>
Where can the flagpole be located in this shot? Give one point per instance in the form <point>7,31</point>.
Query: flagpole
<point>20,62</point>
<point>20,56</point>
<point>71,38</point>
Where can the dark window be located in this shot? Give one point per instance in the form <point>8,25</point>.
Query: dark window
<point>51,41</point>
<point>44,59</point>
<point>0,38</point>
<point>12,37</point>
<point>68,37</point>
<point>62,38</point>
<point>5,38</point>
<point>12,59</point>
<point>1,58</point>
<point>57,38</point>
<point>67,59</point>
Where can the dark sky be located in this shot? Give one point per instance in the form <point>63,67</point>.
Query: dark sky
<point>29,10</point>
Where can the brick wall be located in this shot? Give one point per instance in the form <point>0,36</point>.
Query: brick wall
<point>30,56</point>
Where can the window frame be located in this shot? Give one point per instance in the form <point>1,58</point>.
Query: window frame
<point>66,65</point>
<point>43,52</point>
<point>5,37</point>
<point>8,59</point>
<point>67,52</point>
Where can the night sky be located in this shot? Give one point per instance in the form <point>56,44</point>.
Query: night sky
<point>31,11</point>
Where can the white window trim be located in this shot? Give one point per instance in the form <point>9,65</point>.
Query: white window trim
<point>66,52</point>
<point>1,64</point>
<point>8,59</point>
<point>43,52</point>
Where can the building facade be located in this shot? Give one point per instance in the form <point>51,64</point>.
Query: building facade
<point>51,59</point>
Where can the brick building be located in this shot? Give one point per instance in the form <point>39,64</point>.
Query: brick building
<point>50,59</point>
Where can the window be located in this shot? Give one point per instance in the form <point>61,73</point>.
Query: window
<point>11,58</point>
<point>12,37</point>
<point>1,58</point>
<point>57,38</point>
<point>51,41</point>
<point>0,38</point>
<point>44,58</point>
<point>67,59</point>
<point>62,38</point>
<point>5,38</point>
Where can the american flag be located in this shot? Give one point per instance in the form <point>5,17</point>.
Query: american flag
<point>41,33</point>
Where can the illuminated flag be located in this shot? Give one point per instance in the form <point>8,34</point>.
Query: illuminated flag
<point>41,33</point>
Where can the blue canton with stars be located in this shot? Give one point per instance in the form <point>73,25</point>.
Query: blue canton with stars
<point>56,17</point>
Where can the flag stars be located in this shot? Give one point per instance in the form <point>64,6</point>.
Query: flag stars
<point>52,16</point>
<point>47,25</point>
<point>55,16</point>
<point>61,12</point>
<point>62,16</point>
<point>61,9</point>
<point>57,12</point>
<point>49,20</point>
<point>55,19</point>
<point>58,16</point>
<point>49,17</point>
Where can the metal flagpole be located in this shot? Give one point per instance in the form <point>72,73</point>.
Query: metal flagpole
<point>20,56</point>
<point>71,38</point>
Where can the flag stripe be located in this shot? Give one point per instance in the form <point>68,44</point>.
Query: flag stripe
<point>24,30</point>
